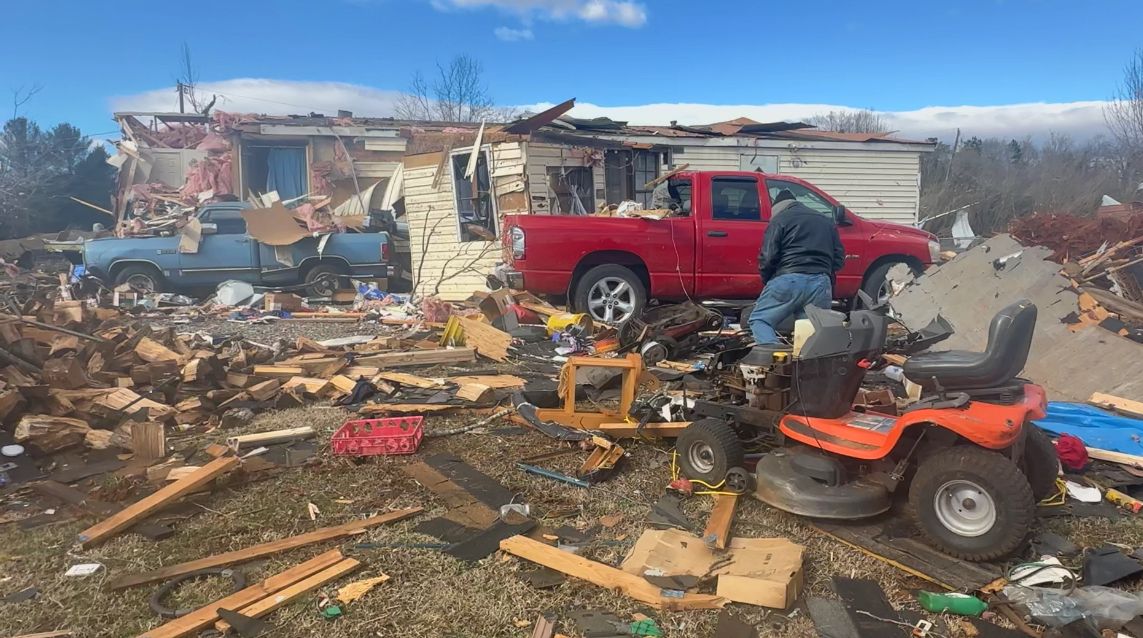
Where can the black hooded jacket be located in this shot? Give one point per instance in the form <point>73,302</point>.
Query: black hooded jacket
<point>800,240</point>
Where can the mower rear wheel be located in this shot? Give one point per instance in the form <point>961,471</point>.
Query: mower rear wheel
<point>707,449</point>
<point>972,503</point>
<point>1041,462</point>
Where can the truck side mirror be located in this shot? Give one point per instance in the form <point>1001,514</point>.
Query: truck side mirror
<point>209,228</point>
<point>839,216</point>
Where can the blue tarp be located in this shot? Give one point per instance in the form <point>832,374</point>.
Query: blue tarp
<point>1097,428</point>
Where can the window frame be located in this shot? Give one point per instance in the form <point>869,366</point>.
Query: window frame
<point>485,152</point>
<point>586,200</point>
<point>741,180</point>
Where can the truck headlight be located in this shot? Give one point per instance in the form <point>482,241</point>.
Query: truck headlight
<point>934,251</point>
<point>517,237</point>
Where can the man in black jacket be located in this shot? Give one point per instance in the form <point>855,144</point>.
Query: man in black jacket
<point>801,253</point>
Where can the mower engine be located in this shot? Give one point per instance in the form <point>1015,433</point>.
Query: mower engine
<point>767,385</point>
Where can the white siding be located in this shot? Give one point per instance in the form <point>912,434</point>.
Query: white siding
<point>873,183</point>
<point>381,170</point>
<point>454,268</point>
<point>708,158</point>
<point>542,156</point>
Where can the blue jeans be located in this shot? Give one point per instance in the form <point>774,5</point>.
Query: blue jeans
<point>787,295</point>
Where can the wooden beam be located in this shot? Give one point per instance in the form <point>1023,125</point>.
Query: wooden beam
<point>1117,404</point>
<point>489,341</point>
<point>271,437</point>
<point>1115,457</point>
<point>207,615</point>
<point>631,430</point>
<point>418,357</point>
<point>409,379</point>
<point>717,531</point>
<point>298,589</point>
<point>258,551</point>
<point>605,575</point>
<point>138,511</point>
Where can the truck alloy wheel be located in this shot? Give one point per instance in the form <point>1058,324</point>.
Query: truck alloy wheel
<point>972,503</point>
<point>611,300</point>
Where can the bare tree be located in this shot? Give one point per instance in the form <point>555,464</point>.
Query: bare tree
<point>457,93</point>
<point>22,96</point>
<point>850,121</point>
<point>1124,114</point>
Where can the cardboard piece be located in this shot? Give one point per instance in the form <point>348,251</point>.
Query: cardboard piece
<point>190,237</point>
<point>273,226</point>
<point>760,571</point>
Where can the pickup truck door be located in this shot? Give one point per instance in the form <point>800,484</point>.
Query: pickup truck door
<point>852,236</point>
<point>229,253</point>
<point>732,218</point>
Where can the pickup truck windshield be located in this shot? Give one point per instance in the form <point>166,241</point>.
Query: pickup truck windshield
<point>804,195</point>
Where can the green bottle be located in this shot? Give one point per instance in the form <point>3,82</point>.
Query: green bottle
<point>959,604</point>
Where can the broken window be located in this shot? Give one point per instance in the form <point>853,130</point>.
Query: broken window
<point>812,200</point>
<point>627,173</point>
<point>475,205</point>
<point>574,188</point>
<point>280,167</point>
<point>674,195</point>
<point>735,198</point>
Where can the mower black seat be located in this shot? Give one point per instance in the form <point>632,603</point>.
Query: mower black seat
<point>1009,341</point>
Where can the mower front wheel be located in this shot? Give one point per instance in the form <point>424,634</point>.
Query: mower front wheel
<point>972,503</point>
<point>708,449</point>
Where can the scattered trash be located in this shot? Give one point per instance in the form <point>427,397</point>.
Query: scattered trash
<point>83,569</point>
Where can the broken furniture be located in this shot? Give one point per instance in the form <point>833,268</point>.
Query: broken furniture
<point>631,365</point>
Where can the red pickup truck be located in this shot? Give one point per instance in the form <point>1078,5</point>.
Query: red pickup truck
<point>706,250</point>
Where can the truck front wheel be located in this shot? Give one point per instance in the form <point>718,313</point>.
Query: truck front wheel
<point>141,278</point>
<point>610,294</point>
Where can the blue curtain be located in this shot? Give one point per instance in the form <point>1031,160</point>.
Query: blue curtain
<point>287,172</point>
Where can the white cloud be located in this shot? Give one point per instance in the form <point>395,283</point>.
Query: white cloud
<point>1080,120</point>
<point>508,34</point>
<point>272,97</point>
<point>626,13</point>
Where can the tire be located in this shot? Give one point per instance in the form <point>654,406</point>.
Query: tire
<point>1000,515</point>
<point>1041,463</point>
<point>873,285</point>
<point>707,449</point>
<point>616,292</point>
<point>141,277</point>
<point>323,280</point>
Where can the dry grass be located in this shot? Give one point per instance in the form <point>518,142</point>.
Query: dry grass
<point>429,594</point>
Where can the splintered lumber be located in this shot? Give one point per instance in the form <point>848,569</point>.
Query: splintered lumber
<point>605,575</point>
<point>283,372</point>
<point>207,615</point>
<point>264,391</point>
<point>717,531</point>
<point>258,551</point>
<point>342,383</point>
<point>148,441</point>
<point>300,588</point>
<point>129,402</point>
<point>406,408</point>
<point>1117,404</point>
<point>50,433</point>
<point>408,379</point>
<point>65,373</point>
<point>152,351</point>
<point>270,438</point>
<point>489,341</point>
<point>137,511</point>
<point>496,382</point>
<point>419,357</point>
<point>631,430</point>
<point>475,392</point>
<point>307,384</point>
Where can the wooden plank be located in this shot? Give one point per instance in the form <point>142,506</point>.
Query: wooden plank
<point>1117,404</point>
<point>278,372</point>
<point>407,408</point>
<point>605,576</point>
<point>489,341</point>
<point>152,351</point>
<point>148,441</point>
<point>631,430</point>
<point>308,384</point>
<point>475,392</point>
<point>408,379</point>
<point>137,511</point>
<point>496,382</point>
<point>721,517</point>
<point>264,391</point>
<point>419,357</point>
<point>207,615</point>
<point>271,437</point>
<point>1115,457</point>
<point>298,589</point>
<point>258,551</point>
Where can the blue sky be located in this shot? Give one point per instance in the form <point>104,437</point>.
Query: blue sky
<point>894,56</point>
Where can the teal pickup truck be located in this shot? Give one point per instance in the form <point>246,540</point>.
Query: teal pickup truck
<point>226,251</point>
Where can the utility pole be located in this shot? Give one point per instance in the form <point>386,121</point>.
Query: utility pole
<point>182,108</point>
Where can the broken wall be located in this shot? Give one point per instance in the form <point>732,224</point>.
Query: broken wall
<point>969,291</point>
<point>541,157</point>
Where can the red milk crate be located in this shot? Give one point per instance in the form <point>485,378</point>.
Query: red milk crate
<point>370,437</point>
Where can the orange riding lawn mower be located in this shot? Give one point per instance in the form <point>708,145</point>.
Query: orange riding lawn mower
<point>972,462</point>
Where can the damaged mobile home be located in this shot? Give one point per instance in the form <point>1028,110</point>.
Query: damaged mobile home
<point>424,179</point>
